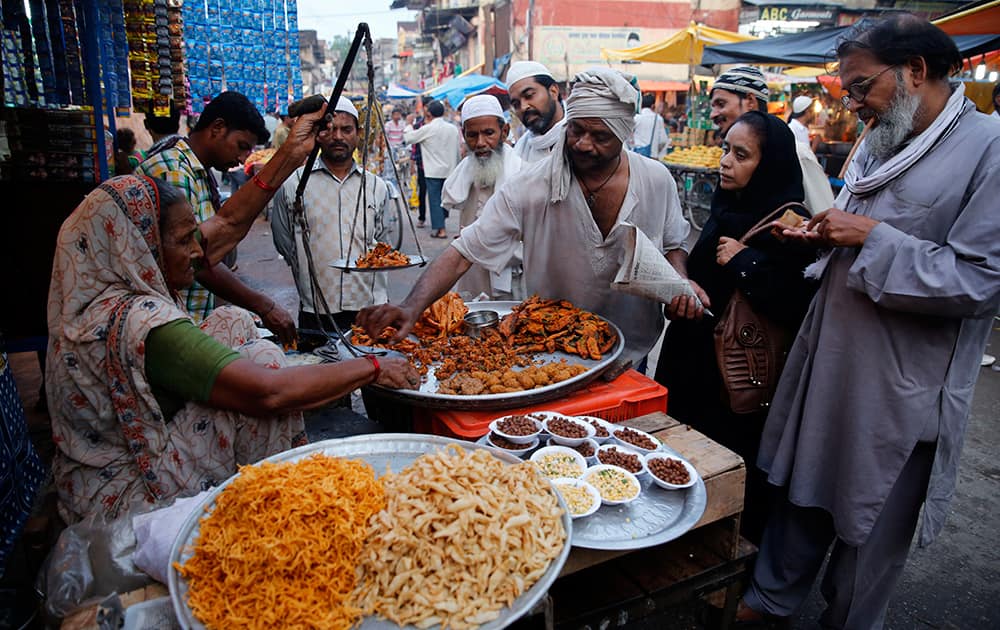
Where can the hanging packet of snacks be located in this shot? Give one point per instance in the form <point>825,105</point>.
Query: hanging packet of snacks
<point>140,22</point>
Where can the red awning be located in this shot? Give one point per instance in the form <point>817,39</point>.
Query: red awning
<point>663,86</point>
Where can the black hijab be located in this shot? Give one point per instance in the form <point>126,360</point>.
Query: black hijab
<point>776,181</point>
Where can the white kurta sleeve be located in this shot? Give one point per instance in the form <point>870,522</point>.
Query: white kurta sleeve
<point>960,278</point>
<point>494,237</point>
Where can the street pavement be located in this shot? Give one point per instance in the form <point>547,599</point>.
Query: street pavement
<point>952,584</point>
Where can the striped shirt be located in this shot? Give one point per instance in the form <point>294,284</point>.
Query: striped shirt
<point>330,205</point>
<point>178,165</point>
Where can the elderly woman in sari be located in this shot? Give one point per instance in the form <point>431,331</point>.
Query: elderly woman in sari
<point>144,404</point>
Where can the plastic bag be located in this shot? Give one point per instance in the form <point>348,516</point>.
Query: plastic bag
<point>91,560</point>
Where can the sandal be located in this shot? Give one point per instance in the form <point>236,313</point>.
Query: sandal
<point>439,234</point>
<point>421,224</point>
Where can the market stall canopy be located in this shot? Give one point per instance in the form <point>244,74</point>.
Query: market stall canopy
<point>457,89</point>
<point>815,48</point>
<point>981,18</point>
<point>398,91</point>
<point>684,47</point>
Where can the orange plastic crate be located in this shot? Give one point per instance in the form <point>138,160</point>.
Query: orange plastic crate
<point>628,396</point>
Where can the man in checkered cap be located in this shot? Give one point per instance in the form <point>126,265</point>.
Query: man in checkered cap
<point>744,89</point>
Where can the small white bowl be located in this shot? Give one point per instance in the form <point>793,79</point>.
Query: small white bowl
<point>579,483</point>
<point>590,460</point>
<point>519,452</point>
<point>608,426</point>
<point>568,441</point>
<point>593,473</point>
<point>614,435</point>
<point>517,439</point>
<point>692,473</point>
<point>578,459</point>
<point>542,416</point>
<point>643,471</point>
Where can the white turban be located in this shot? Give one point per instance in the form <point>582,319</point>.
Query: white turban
<point>595,93</point>
<point>481,105</point>
<point>345,105</point>
<point>524,69</point>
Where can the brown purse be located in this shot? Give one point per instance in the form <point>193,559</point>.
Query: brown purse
<point>750,348</point>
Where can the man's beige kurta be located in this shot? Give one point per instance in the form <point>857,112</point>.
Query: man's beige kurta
<point>565,255</point>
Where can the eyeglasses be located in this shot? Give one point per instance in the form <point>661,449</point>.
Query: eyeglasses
<point>858,91</point>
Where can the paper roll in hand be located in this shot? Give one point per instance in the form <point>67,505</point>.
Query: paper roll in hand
<point>647,273</point>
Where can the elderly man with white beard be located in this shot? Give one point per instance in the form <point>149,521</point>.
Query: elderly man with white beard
<point>570,211</point>
<point>489,163</point>
<point>869,416</point>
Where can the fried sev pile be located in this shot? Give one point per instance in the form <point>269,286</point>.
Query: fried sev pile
<point>462,536</point>
<point>281,547</point>
<point>382,255</point>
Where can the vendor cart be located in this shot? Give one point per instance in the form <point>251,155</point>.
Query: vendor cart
<point>695,187</point>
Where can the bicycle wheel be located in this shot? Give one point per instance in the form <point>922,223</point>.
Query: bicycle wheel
<point>392,219</point>
<point>699,200</point>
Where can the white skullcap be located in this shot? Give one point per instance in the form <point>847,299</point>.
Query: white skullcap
<point>345,105</point>
<point>524,69</point>
<point>801,104</point>
<point>481,105</point>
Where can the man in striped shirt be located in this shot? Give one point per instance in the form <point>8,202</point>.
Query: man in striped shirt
<point>225,134</point>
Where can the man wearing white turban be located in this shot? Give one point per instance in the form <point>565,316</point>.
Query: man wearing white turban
<point>534,97</point>
<point>572,213</point>
<point>488,164</point>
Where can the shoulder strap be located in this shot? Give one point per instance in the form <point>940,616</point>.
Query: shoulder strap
<point>763,223</point>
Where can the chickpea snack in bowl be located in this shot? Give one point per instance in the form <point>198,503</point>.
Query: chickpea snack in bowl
<point>568,431</point>
<point>627,458</point>
<point>514,448</point>
<point>636,439</point>
<point>669,472</point>
<point>519,429</point>
<point>587,448</point>
<point>559,461</point>
<point>602,428</point>
<point>581,498</point>
<point>616,485</point>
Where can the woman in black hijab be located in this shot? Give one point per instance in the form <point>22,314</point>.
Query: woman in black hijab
<point>759,173</point>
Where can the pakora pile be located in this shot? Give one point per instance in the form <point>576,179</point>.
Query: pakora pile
<point>538,325</point>
<point>501,359</point>
<point>382,255</point>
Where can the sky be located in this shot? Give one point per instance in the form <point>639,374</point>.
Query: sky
<point>341,17</point>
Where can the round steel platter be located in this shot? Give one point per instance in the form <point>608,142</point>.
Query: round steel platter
<point>382,451</point>
<point>427,395</point>
<point>346,265</point>
<point>656,517</point>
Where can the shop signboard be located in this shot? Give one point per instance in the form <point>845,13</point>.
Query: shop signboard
<point>824,14</point>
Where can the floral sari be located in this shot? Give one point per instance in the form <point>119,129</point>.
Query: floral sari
<point>114,447</point>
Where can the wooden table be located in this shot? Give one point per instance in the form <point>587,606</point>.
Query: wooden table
<point>599,588</point>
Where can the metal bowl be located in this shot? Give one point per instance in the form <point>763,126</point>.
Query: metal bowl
<point>477,321</point>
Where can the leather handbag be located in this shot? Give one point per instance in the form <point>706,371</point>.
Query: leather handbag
<point>751,348</point>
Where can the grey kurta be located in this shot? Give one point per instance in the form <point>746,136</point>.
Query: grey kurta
<point>565,255</point>
<point>889,351</point>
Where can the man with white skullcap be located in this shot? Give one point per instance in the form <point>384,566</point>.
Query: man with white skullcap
<point>535,98</point>
<point>570,213</point>
<point>488,164</point>
<point>800,117</point>
<point>330,201</point>
<point>744,89</point>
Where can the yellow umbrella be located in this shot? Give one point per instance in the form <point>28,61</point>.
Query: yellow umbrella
<point>684,47</point>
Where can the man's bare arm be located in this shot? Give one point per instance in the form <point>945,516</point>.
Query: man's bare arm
<point>434,282</point>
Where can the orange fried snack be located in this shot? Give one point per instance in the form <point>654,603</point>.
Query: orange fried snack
<point>538,325</point>
<point>382,256</point>
<point>281,547</point>
<point>442,318</point>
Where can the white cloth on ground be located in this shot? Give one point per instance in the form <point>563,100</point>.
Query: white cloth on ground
<point>155,533</point>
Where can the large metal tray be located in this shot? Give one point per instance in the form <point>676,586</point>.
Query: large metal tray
<point>656,517</point>
<point>384,450</point>
<point>344,264</point>
<point>428,397</point>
